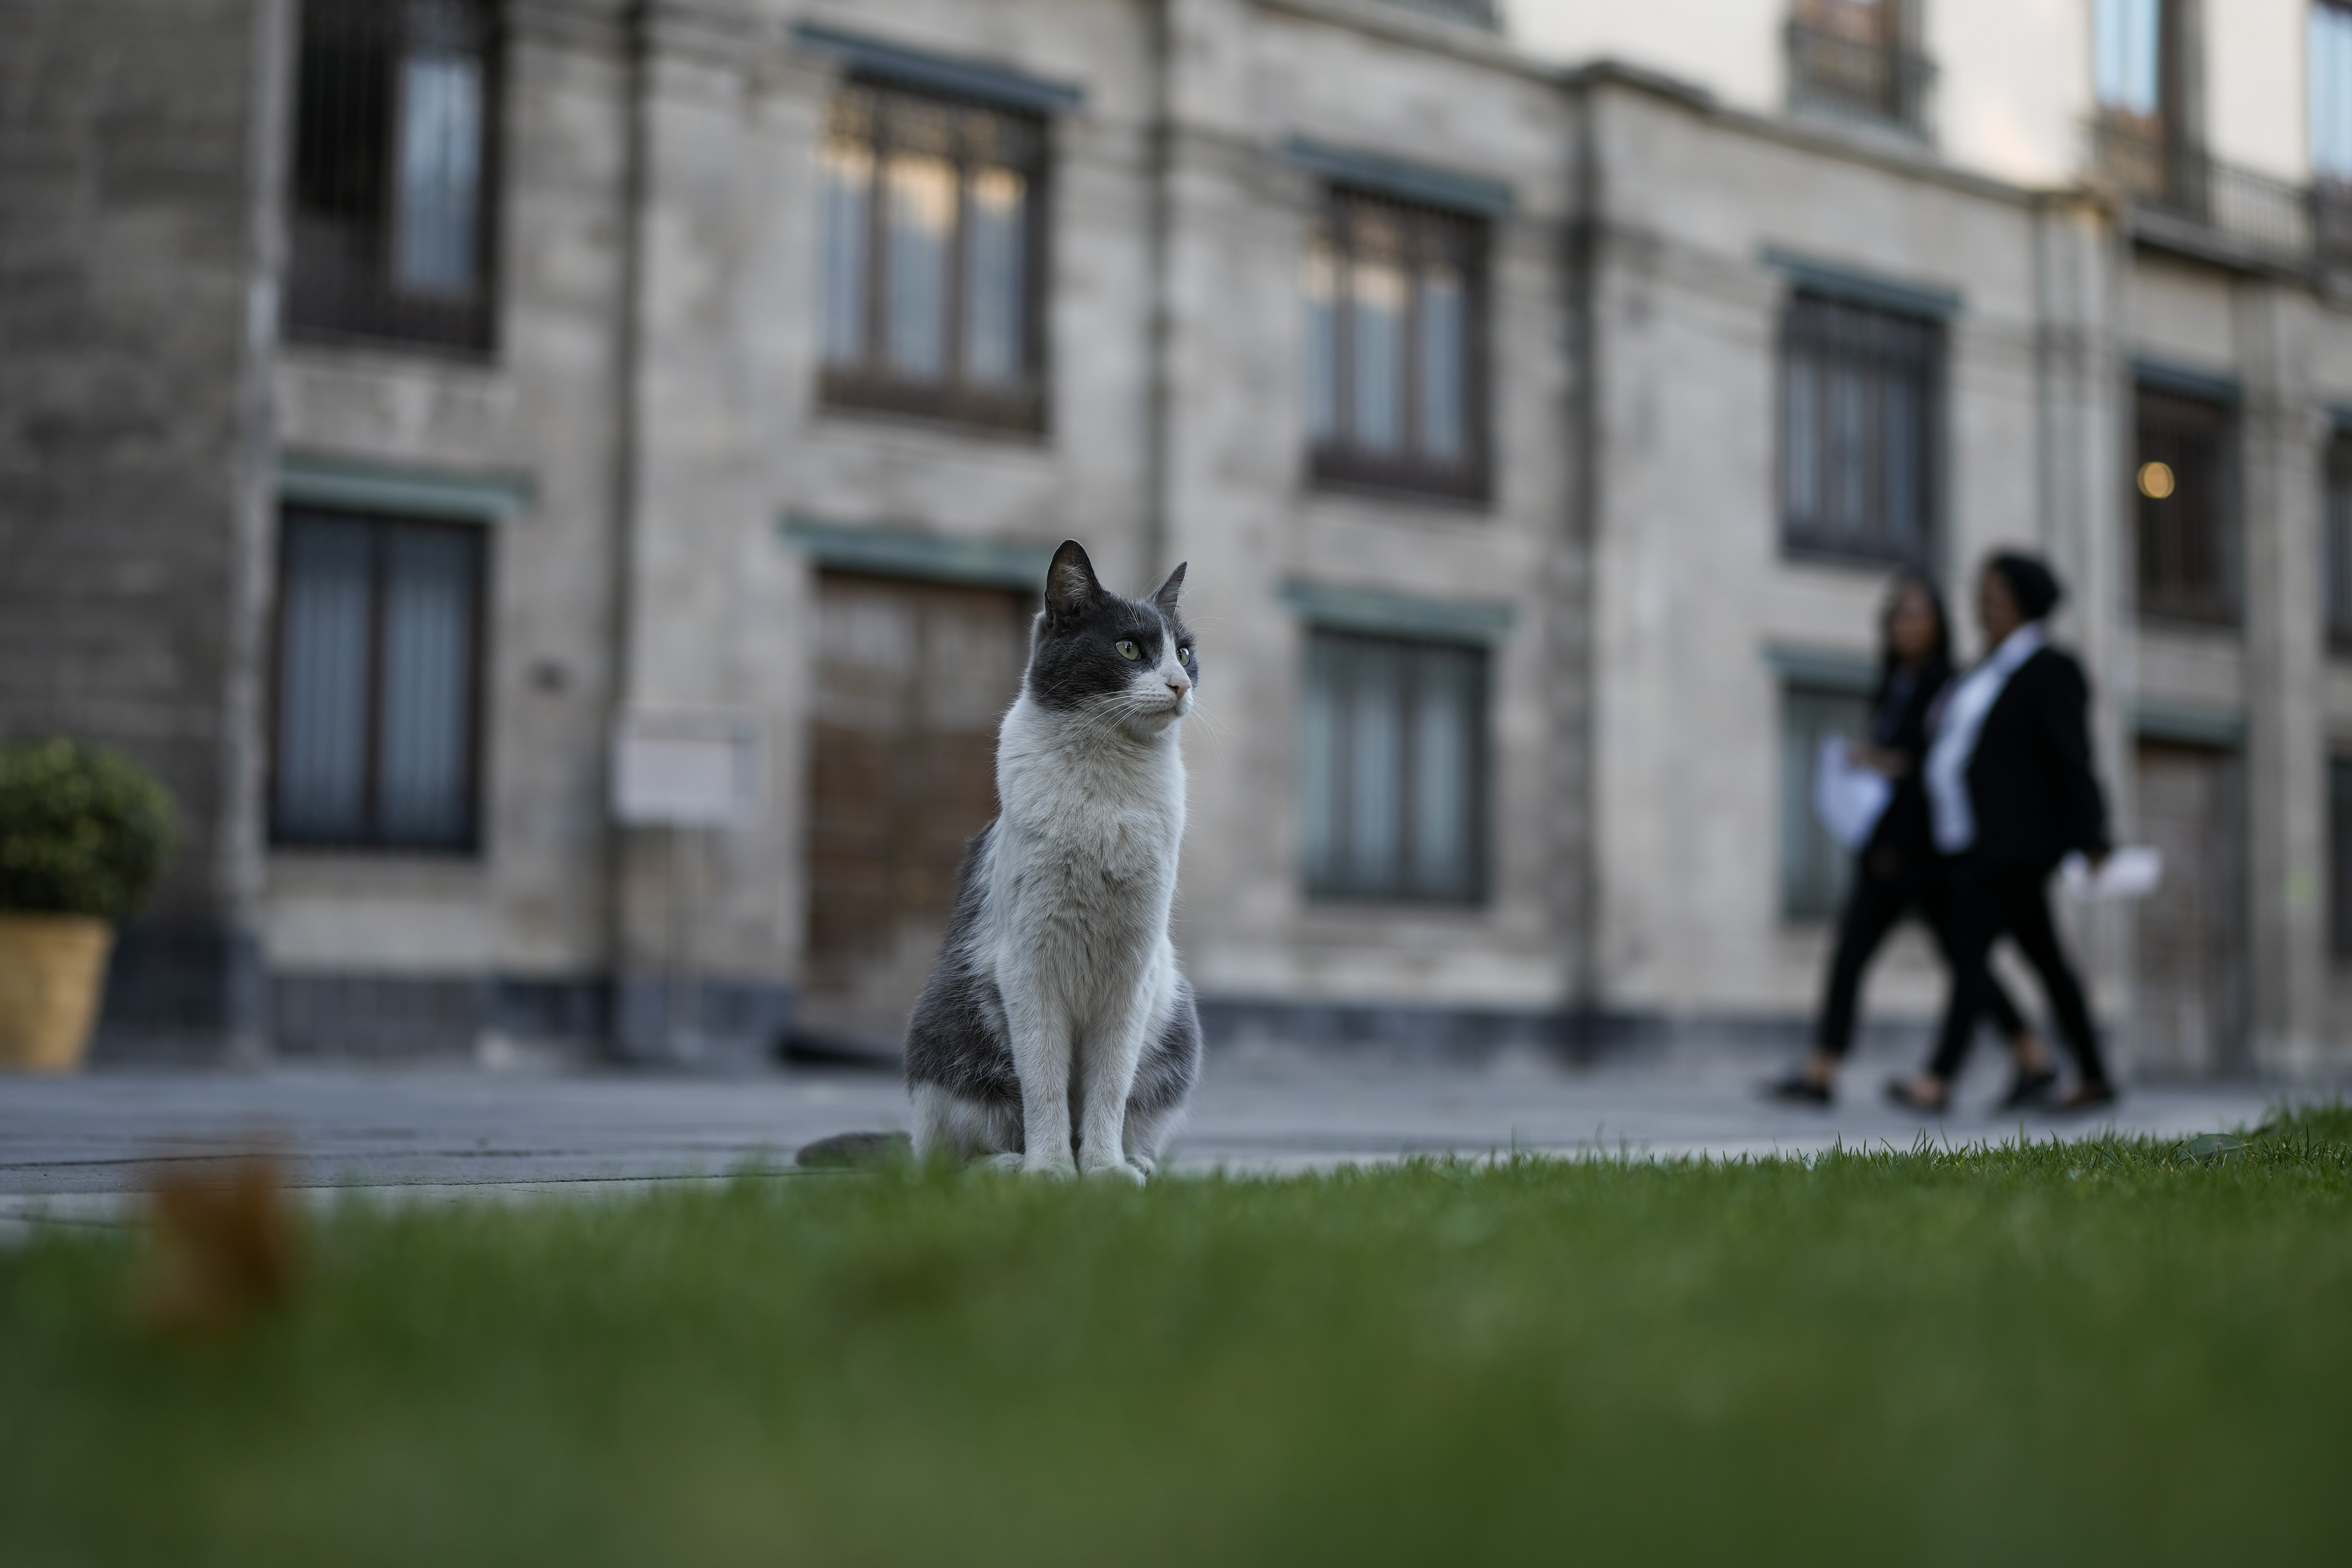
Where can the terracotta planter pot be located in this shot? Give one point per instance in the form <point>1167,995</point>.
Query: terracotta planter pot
<point>50,968</point>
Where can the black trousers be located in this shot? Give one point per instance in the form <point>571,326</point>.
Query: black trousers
<point>1986,906</point>
<point>1886,888</point>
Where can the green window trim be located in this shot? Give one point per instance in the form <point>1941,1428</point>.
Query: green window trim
<point>354,486</point>
<point>1379,612</point>
<point>920,557</point>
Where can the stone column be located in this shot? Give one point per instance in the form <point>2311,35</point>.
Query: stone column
<point>2280,453</point>
<point>696,933</point>
<point>2082,271</point>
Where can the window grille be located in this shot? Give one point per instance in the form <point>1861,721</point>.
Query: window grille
<point>1856,57</point>
<point>2133,41</point>
<point>2187,533</point>
<point>379,662</point>
<point>1393,768</point>
<point>2329,46</point>
<point>931,231</point>
<point>2335,545</point>
<point>2140,138</point>
<point>2339,855</point>
<point>394,169</point>
<point>1395,392</point>
<point>1815,870</point>
<point>1859,418</point>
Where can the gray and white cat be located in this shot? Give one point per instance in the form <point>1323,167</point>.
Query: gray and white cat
<point>1057,1033</point>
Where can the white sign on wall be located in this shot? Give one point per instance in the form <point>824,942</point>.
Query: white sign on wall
<point>685,770</point>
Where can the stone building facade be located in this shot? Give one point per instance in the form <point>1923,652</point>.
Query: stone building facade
<point>426,413</point>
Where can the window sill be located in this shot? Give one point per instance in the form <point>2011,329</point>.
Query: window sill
<point>1873,126</point>
<point>1356,477</point>
<point>2164,619</point>
<point>483,356</point>
<point>305,873</point>
<point>1803,553</point>
<point>1394,904</point>
<point>1018,413</point>
<point>321,852</point>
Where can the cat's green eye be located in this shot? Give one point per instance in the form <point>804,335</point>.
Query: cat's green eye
<point>1128,650</point>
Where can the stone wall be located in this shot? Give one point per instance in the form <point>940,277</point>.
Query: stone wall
<point>135,312</point>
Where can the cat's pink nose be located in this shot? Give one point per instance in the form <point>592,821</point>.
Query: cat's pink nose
<point>1179,683</point>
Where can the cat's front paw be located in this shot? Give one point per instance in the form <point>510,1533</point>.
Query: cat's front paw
<point>1043,1166</point>
<point>1117,1169</point>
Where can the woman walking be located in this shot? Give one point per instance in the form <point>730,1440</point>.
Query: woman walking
<point>1897,871</point>
<point>2011,793</point>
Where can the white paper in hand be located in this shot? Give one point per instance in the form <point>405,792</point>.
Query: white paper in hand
<point>2133,871</point>
<point>1848,800</point>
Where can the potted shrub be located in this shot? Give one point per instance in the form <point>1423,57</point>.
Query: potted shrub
<point>83,835</point>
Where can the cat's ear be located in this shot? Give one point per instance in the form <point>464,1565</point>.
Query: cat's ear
<point>1070,582</point>
<point>1165,596</point>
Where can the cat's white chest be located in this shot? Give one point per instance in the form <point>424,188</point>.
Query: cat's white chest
<point>1096,825</point>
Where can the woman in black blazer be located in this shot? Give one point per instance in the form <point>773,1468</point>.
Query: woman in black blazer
<point>2011,793</point>
<point>1897,871</point>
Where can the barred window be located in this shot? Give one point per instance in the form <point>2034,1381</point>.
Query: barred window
<point>2329,48</point>
<point>2133,39</point>
<point>930,225</point>
<point>1859,390</point>
<point>1395,381</point>
<point>2339,855</point>
<point>1815,870</point>
<point>379,660</point>
<point>2335,525</point>
<point>1393,765</point>
<point>1855,57</point>
<point>2186,533</point>
<point>392,169</point>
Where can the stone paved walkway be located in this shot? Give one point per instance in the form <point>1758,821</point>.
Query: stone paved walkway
<point>76,1150</point>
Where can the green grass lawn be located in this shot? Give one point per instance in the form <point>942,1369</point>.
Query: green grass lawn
<point>2104,1352</point>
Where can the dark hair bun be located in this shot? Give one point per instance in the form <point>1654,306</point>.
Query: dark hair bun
<point>2031,582</point>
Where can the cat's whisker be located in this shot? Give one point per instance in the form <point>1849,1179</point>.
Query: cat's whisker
<point>1202,715</point>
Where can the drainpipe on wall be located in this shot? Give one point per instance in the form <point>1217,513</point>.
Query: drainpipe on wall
<point>239,872</point>
<point>1575,636</point>
<point>1160,226</point>
<point>627,463</point>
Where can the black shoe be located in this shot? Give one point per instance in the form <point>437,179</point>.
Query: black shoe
<point>2093,1095</point>
<point>1898,1093</point>
<point>1799,1090</point>
<point>2029,1089</point>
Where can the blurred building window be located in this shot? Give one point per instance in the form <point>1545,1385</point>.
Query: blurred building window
<point>2330,49</point>
<point>1815,870</point>
<point>1860,58</point>
<point>1392,769</point>
<point>930,232</point>
<point>2335,525</point>
<point>1859,412</point>
<point>1480,12</point>
<point>378,658</point>
<point>2339,855</point>
<point>2141,138</point>
<point>2182,487</point>
<point>2133,50</point>
<point>1395,393</point>
<point>392,169</point>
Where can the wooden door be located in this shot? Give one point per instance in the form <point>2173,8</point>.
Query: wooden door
<point>2190,995</point>
<point>912,680</point>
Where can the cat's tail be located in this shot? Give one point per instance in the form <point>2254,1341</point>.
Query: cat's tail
<point>855,1151</point>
